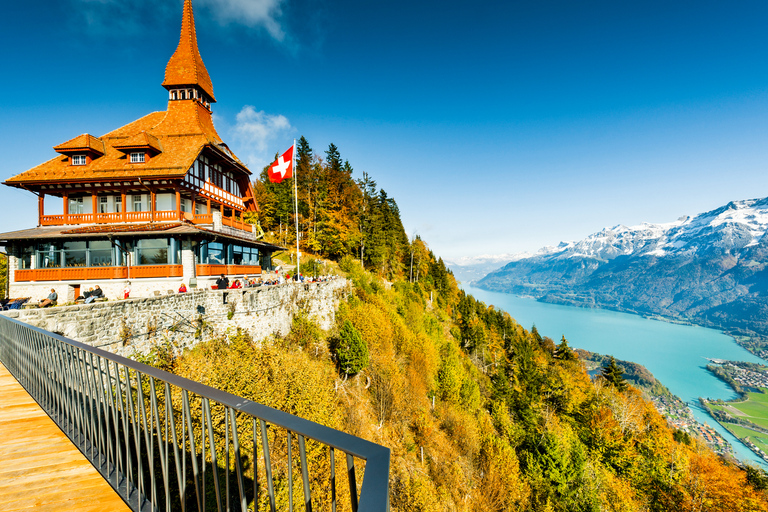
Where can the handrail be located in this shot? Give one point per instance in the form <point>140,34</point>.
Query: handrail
<point>118,412</point>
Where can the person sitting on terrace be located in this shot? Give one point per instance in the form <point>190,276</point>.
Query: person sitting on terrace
<point>182,288</point>
<point>51,300</point>
<point>94,294</point>
<point>236,284</point>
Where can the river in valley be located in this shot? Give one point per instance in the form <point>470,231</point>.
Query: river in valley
<point>675,354</point>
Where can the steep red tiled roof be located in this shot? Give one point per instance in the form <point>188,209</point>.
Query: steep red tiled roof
<point>186,66</point>
<point>177,135</point>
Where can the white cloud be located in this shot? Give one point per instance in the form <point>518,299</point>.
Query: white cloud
<point>252,13</point>
<point>258,136</point>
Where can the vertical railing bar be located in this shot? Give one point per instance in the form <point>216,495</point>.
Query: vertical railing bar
<point>352,482</point>
<point>195,470</point>
<point>267,465</point>
<point>76,413</point>
<point>226,461</point>
<point>202,447</point>
<point>305,474</point>
<point>84,401</point>
<point>111,421</point>
<point>333,478</point>
<point>149,439</point>
<point>168,415</point>
<point>81,401</point>
<point>238,462</point>
<point>133,414</point>
<point>214,469</point>
<point>125,453</point>
<point>160,438</point>
<point>181,478</point>
<point>154,426</point>
<point>99,403</point>
<point>255,468</point>
<point>290,472</point>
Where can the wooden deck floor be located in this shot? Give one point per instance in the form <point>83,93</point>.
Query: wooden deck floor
<point>40,468</point>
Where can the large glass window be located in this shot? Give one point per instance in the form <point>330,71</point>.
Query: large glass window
<point>245,255</point>
<point>152,251</point>
<point>76,205</point>
<point>74,254</point>
<point>103,204</point>
<point>27,254</point>
<point>137,205</point>
<point>100,253</point>
<point>48,255</point>
<point>216,253</point>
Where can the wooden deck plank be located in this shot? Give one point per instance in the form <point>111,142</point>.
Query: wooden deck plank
<point>40,468</point>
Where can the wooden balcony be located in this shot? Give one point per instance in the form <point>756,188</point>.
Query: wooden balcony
<point>91,273</point>
<point>237,223</point>
<point>217,270</point>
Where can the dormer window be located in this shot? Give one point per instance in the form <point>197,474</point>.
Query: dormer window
<point>137,157</point>
<point>78,159</point>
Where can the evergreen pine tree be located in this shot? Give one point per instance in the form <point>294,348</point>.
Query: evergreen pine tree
<point>613,374</point>
<point>563,351</point>
<point>350,349</point>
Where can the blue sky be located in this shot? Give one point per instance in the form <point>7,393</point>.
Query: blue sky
<point>498,127</point>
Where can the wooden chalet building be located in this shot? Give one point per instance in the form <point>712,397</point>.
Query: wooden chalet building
<point>157,202</point>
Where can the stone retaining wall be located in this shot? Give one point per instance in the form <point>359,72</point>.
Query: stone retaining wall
<point>135,325</point>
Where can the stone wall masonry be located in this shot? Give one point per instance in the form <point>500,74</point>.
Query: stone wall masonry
<point>136,325</point>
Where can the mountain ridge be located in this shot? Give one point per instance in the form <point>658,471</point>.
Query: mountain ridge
<point>710,269</point>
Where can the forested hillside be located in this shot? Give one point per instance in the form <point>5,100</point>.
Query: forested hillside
<point>479,413</point>
<point>338,215</point>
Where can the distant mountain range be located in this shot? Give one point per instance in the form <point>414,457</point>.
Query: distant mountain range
<point>709,269</point>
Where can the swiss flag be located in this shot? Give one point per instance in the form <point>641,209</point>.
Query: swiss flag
<point>282,168</point>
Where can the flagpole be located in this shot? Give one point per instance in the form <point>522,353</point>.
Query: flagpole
<point>296,206</point>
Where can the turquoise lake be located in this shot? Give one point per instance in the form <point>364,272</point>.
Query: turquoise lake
<point>675,354</point>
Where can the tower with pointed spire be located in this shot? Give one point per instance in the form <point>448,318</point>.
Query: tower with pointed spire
<point>157,201</point>
<point>186,77</point>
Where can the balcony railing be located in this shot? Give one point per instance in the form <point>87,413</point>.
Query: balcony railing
<point>85,273</point>
<point>237,224</point>
<point>168,443</point>
<point>230,270</point>
<point>156,216</point>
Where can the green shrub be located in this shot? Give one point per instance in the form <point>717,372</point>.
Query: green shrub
<point>350,349</point>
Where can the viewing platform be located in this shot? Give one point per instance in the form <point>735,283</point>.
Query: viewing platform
<point>41,468</point>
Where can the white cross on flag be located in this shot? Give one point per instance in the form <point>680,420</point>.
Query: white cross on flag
<point>282,168</point>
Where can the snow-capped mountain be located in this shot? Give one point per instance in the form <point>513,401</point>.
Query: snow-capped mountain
<point>709,268</point>
<point>737,225</point>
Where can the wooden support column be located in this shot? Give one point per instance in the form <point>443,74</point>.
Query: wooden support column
<point>152,204</point>
<point>194,204</point>
<point>94,208</point>
<point>123,208</point>
<point>65,208</point>
<point>209,206</point>
<point>178,203</point>
<point>40,208</point>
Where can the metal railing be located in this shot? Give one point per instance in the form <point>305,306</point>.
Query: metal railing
<point>168,443</point>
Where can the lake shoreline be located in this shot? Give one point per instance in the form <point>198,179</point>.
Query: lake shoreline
<point>755,343</point>
<point>675,353</point>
